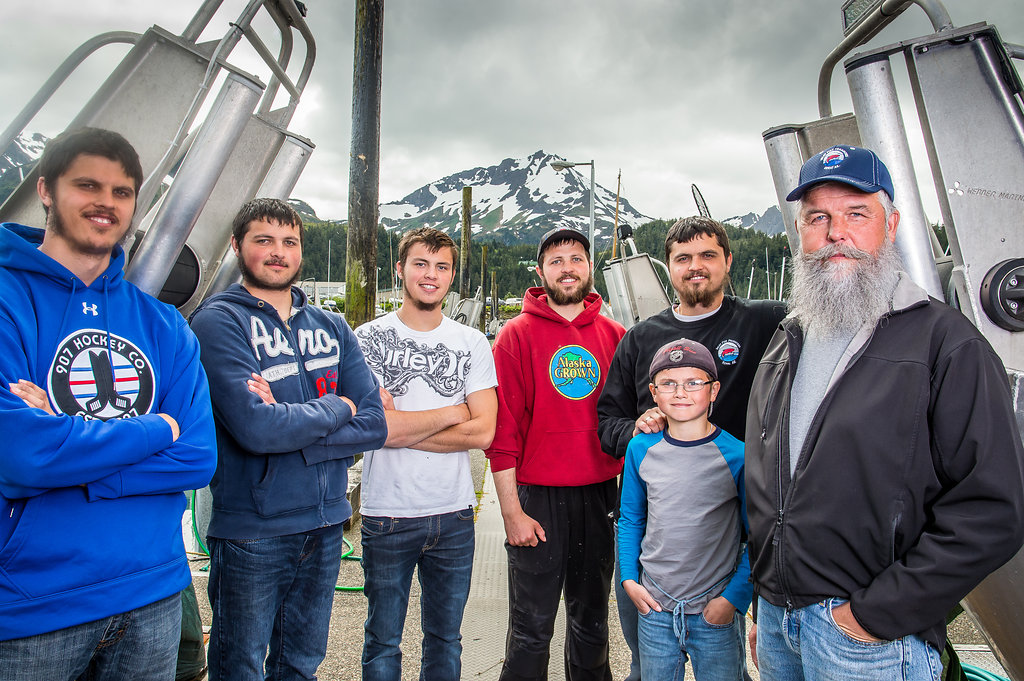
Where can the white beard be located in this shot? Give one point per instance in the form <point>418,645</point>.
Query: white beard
<point>832,298</point>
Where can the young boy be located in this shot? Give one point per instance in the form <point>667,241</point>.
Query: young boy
<point>681,527</point>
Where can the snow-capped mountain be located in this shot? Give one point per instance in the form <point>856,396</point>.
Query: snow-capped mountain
<point>514,201</point>
<point>24,150</point>
<point>770,222</point>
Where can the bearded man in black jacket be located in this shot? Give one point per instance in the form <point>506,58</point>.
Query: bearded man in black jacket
<point>884,471</point>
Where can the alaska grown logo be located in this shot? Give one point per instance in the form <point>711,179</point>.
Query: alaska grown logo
<point>89,379</point>
<point>574,372</point>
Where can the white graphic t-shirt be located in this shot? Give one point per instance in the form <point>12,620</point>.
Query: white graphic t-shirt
<point>422,370</point>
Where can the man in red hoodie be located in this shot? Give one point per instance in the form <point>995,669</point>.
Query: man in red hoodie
<point>556,488</point>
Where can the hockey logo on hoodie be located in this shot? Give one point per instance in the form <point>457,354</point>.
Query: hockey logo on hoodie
<point>90,380</point>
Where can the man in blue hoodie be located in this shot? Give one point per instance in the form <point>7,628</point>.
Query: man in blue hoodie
<point>293,402</point>
<point>106,417</point>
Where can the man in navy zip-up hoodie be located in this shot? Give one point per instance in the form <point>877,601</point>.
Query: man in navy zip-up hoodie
<point>293,402</point>
<point>106,420</point>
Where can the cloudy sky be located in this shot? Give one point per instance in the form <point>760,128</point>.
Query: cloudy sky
<point>672,92</point>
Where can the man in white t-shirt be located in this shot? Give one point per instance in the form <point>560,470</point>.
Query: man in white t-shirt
<point>438,382</point>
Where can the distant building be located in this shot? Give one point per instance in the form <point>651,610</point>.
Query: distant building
<point>317,290</point>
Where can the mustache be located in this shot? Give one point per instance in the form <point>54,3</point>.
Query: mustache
<point>275,261</point>
<point>838,248</point>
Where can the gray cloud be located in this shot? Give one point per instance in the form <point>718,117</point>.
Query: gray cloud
<point>671,92</point>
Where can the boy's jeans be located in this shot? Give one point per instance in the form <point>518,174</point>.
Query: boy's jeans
<point>667,639</point>
<point>807,643</point>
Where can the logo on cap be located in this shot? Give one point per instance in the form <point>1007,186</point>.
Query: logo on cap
<point>833,157</point>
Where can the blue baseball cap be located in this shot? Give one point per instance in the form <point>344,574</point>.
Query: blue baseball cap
<point>854,166</point>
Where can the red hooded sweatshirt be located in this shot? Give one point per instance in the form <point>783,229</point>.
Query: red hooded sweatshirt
<point>550,373</point>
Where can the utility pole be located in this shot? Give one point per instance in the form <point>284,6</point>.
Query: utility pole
<point>364,163</point>
<point>494,296</point>
<point>464,259</point>
<point>483,285</point>
<point>615,230</point>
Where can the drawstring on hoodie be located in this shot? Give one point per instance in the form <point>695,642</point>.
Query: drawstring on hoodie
<point>67,310</point>
<point>106,329</point>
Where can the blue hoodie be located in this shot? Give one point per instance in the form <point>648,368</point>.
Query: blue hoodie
<point>91,498</point>
<point>283,467</point>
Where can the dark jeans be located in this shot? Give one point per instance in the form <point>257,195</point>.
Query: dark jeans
<point>576,558</point>
<point>275,592</point>
<point>140,644</point>
<point>441,546</point>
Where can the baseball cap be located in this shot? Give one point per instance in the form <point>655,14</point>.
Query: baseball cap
<point>562,234</point>
<point>854,166</point>
<point>683,353</point>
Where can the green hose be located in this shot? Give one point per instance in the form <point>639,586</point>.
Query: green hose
<point>978,674</point>
<point>195,526</point>
<point>348,556</point>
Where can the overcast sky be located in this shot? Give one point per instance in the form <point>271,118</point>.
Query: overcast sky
<point>673,92</point>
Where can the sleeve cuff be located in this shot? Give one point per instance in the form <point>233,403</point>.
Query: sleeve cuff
<point>500,461</point>
<point>110,487</point>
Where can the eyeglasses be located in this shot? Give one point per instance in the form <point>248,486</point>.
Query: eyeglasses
<point>670,387</point>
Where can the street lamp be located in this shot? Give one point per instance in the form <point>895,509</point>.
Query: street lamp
<point>562,165</point>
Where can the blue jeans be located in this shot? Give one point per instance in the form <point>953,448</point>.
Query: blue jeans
<point>441,546</point>
<point>140,644</point>
<point>667,639</point>
<point>806,643</point>
<point>274,593</point>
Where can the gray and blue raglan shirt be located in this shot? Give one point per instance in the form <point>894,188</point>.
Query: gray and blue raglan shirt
<point>683,519</point>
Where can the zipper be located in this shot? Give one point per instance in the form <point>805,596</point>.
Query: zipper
<point>780,518</point>
<point>813,428</point>
<point>293,340</point>
<point>321,476</point>
<point>792,339</point>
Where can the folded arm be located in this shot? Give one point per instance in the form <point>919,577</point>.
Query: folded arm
<point>259,427</point>
<point>406,428</point>
<point>475,433</point>
<point>44,451</point>
<point>190,461</point>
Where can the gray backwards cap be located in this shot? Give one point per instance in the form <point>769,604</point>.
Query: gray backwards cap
<point>683,353</point>
<point>559,234</point>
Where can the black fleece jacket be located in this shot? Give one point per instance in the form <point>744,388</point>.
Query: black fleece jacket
<point>909,488</point>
